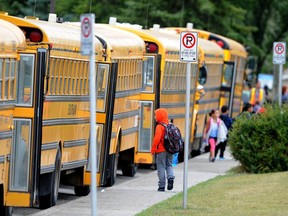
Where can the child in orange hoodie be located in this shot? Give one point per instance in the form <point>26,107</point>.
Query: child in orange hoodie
<point>163,158</point>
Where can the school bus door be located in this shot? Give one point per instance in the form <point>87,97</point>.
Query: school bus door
<point>150,96</point>
<point>26,146</point>
<point>228,85</point>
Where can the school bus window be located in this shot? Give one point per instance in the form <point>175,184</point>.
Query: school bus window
<point>101,83</point>
<point>202,79</point>
<point>77,77</point>
<point>19,167</point>
<point>12,79</point>
<point>148,72</point>
<point>145,137</point>
<point>85,75</point>
<point>73,71</point>
<point>25,81</point>
<point>139,74</point>
<point>132,75</point>
<point>7,74</point>
<point>227,75</point>
<point>60,77</point>
<point>51,77</point>
<point>126,68</point>
<point>125,75</point>
<point>80,85</point>
<point>129,68</point>
<point>122,76</point>
<point>169,74</point>
<point>183,76</point>
<point>1,78</point>
<point>177,76</point>
<point>56,71</point>
<point>165,76</point>
<point>136,75</point>
<point>85,87</point>
<point>194,70</point>
<point>63,75</point>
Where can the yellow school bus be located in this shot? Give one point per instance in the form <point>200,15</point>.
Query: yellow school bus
<point>210,75</point>
<point>210,64</point>
<point>126,51</point>
<point>235,57</point>
<point>231,84</point>
<point>12,40</point>
<point>51,114</point>
<point>164,85</point>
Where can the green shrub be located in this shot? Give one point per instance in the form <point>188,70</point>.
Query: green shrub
<point>261,142</point>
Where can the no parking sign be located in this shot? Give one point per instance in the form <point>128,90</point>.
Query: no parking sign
<point>87,34</point>
<point>279,52</point>
<point>188,46</point>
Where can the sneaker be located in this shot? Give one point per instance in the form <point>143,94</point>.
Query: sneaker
<point>221,158</point>
<point>170,184</point>
<point>213,159</point>
<point>161,189</point>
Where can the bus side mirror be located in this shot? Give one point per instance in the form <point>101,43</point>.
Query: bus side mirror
<point>202,78</point>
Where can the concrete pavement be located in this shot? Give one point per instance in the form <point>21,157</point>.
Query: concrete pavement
<point>140,192</point>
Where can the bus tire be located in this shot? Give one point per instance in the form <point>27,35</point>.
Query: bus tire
<point>6,210</point>
<point>129,168</point>
<point>50,199</point>
<point>113,165</point>
<point>82,190</point>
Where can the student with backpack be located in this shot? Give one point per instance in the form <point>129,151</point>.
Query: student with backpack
<point>228,123</point>
<point>163,158</point>
<point>215,132</point>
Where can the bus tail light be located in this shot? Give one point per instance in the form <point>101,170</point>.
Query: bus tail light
<point>151,47</point>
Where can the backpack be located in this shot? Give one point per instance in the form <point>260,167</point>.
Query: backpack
<point>173,142</point>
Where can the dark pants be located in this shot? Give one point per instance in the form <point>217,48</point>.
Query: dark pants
<point>222,147</point>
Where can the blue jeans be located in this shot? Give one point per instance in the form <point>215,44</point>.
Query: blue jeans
<point>164,167</point>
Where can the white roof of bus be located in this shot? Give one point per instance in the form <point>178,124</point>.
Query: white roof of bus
<point>119,42</point>
<point>64,37</point>
<point>11,36</point>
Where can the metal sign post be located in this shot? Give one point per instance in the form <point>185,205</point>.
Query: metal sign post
<point>188,53</point>
<point>87,48</point>
<point>279,57</point>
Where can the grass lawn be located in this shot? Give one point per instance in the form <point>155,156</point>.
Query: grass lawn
<point>232,194</point>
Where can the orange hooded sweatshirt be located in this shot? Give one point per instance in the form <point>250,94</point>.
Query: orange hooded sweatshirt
<point>161,116</point>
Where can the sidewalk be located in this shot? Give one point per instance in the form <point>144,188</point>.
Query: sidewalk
<point>133,196</point>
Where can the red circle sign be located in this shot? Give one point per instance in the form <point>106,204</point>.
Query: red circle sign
<point>86,27</point>
<point>279,49</point>
<point>188,40</point>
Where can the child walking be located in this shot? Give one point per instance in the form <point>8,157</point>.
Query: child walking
<point>215,132</point>
<point>163,158</point>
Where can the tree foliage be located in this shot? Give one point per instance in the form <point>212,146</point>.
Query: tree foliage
<point>254,23</point>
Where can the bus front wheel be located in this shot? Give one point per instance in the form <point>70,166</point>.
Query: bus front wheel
<point>113,166</point>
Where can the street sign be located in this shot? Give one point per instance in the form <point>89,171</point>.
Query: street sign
<point>87,23</point>
<point>279,52</point>
<point>189,46</point>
